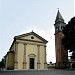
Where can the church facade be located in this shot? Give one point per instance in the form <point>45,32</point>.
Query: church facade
<point>28,51</point>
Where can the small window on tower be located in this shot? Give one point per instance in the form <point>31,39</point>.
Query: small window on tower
<point>32,37</point>
<point>61,27</point>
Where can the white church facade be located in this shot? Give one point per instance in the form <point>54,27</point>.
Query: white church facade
<point>28,51</point>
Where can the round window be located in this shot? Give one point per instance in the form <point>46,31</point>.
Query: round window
<point>32,37</point>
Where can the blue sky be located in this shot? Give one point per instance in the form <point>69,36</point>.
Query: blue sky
<point>21,16</point>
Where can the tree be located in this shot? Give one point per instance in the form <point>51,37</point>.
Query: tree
<point>69,37</point>
<point>2,63</point>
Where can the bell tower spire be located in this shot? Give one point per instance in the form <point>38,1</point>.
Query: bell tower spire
<point>59,22</point>
<point>59,17</point>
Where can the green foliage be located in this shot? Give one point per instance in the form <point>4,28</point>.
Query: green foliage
<point>69,37</point>
<point>2,64</point>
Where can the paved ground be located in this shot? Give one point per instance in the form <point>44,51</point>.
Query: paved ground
<point>39,72</point>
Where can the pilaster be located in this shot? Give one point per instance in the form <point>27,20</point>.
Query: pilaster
<point>24,57</point>
<point>38,55</point>
<point>45,63</point>
<point>16,55</point>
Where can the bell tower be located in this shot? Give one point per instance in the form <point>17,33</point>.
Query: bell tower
<point>61,54</point>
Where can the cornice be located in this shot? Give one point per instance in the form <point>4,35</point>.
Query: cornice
<point>31,40</point>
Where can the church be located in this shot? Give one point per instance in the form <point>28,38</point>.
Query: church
<point>28,51</point>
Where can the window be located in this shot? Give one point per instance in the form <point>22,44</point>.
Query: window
<point>32,37</point>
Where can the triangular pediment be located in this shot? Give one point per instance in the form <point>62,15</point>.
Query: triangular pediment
<point>32,36</point>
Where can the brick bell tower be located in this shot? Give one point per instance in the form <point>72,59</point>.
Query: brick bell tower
<point>61,54</point>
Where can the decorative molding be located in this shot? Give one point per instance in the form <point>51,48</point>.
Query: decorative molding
<point>24,65</point>
<point>24,57</point>
<point>38,53</point>
<point>24,43</point>
<point>45,65</point>
<point>24,53</point>
<point>16,65</point>
<point>38,63</point>
<point>32,55</point>
<point>15,62</point>
<point>16,42</point>
<point>45,53</point>
<point>31,43</point>
<point>16,55</point>
<point>31,40</point>
<point>24,62</point>
<point>31,33</point>
<point>45,46</point>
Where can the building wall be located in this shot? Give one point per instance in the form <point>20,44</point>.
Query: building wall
<point>61,54</point>
<point>24,49</point>
<point>58,46</point>
<point>42,59</point>
<point>31,49</point>
<point>20,55</point>
<point>10,61</point>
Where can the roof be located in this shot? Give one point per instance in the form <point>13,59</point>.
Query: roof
<point>31,33</point>
<point>59,17</point>
<point>27,34</point>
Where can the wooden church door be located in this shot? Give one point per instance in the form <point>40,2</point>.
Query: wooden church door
<point>31,63</point>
